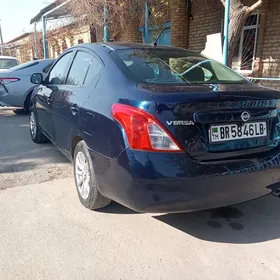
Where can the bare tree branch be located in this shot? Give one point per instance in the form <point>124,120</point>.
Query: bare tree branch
<point>223,2</point>
<point>238,16</point>
<point>255,6</point>
<point>121,13</point>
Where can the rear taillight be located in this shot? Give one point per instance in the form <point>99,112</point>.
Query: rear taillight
<point>143,131</point>
<point>8,80</point>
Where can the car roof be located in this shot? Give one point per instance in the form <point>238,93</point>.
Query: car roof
<point>7,57</point>
<point>121,45</point>
<point>47,59</point>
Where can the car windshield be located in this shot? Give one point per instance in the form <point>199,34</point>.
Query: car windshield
<point>7,63</point>
<point>174,66</point>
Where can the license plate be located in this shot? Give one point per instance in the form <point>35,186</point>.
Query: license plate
<point>227,132</point>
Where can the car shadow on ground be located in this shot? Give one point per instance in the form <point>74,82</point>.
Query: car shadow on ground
<point>18,152</point>
<point>251,222</point>
<point>116,208</point>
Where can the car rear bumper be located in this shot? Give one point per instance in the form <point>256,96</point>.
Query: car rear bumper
<point>166,183</point>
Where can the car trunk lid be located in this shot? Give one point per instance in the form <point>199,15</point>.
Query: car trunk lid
<point>192,112</point>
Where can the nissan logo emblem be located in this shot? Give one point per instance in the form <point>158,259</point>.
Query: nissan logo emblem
<point>245,116</point>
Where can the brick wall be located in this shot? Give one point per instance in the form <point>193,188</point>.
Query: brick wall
<point>179,21</point>
<point>268,54</point>
<point>206,19</point>
<point>130,32</point>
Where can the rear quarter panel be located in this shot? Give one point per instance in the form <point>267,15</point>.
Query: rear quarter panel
<point>101,132</point>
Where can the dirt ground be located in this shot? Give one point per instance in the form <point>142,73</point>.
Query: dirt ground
<point>23,162</point>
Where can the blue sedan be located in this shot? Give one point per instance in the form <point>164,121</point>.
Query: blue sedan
<point>158,129</point>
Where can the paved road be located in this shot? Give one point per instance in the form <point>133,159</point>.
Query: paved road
<point>22,161</point>
<point>45,233</point>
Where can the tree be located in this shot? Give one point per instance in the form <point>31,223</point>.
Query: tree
<point>121,13</point>
<point>91,12</point>
<point>239,13</point>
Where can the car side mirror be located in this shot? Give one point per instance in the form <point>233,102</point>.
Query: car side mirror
<point>36,79</point>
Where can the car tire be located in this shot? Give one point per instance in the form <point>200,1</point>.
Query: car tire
<point>27,103</point>
<point>36,133</point>
<point>85,179</point>
<point>19,112</point>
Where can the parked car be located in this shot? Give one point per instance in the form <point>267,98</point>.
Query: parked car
<point>158,129</point>
<point>15,85</point>
<point>7,62</point>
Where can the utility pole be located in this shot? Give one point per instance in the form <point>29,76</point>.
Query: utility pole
<point>1,40</point>
<point>226,31</point>
<point>44,20</point>
<point>35,41</point>
<point>146,22</point>
<point>106,28</point>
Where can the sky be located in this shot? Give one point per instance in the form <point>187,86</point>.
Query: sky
<point>15,16</point>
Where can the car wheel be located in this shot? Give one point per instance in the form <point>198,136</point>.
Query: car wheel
<point>85,179</point>
<point>36,133</point>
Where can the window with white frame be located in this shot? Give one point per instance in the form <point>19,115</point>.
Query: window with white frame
<point>245,51</point>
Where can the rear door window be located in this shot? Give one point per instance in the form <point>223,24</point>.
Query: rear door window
<point>94,68</point>
<point>84,68</point>
<point>59,71</point>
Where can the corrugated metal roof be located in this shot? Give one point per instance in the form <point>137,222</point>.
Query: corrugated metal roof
<point>62,11</point>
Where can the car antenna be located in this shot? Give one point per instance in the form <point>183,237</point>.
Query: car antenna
<point>156,40</point>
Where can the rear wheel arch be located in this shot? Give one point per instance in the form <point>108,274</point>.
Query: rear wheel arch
<point>75,142</point>
<point>27,101</point>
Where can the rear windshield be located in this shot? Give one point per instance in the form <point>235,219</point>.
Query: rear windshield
<point>25,65</point>
<point>174,66</point>
<point>7,63</point>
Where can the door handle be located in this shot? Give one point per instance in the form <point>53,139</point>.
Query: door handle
<point>74,109</point>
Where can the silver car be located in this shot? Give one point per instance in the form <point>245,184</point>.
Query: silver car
<point>7,62</point>
<point>15,85</point>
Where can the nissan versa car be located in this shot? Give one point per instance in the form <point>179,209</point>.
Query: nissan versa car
<point>158,129</point>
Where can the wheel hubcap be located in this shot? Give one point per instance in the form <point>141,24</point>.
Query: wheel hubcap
<point>82,175</point>
<point>32,124</point>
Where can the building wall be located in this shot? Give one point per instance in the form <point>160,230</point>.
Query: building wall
<point>131,32</point>
<point>80,35</point>
<point>22,49</point>
<point>206,18</point>
<point>268,55</point>
<point>179,24</point>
